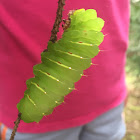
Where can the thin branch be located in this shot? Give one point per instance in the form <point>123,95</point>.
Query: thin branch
<point>53,38</point>
<point>16,126</point>
<point>58,20</point>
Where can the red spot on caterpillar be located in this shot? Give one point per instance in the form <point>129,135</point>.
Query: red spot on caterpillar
<point>48,73</point>
<point>80,42</point>
<point>59,62</point>
<point>38,85</point>
<point>29,97</point>
<point>69,52</point>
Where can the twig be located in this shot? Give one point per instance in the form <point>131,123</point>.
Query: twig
<point>58,20</point>
<point>16,126</point>
<point>53,38</point>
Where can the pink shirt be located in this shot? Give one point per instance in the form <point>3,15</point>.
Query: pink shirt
<point>25,27</point>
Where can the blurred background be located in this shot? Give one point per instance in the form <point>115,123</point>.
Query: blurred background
<point>132,110</point>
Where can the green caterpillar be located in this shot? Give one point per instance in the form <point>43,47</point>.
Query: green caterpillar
<point>62,65</point>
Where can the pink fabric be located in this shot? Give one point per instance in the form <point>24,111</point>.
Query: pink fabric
<point>25,27</point>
